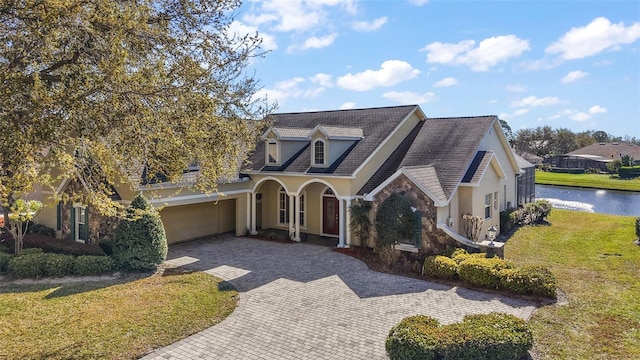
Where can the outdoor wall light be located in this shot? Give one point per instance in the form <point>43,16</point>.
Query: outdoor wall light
<point>492,234</point>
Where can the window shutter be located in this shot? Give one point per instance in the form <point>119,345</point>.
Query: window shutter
<point>73,222</point>
<point>86,225</point>
<point>59,216</point>
<point>418,229</point>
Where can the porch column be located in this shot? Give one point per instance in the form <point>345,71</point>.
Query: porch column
<point>296,236</point>
<point>291,213</point>
<point>341,223</point>
<point>252,208</point>
<point>348,223</point>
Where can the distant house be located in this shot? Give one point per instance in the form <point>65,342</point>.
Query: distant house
<point>531,158</point>
<point>309,168</point>
<point>595,156</point>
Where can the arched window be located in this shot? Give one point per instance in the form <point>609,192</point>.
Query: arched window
<point>319,149</point>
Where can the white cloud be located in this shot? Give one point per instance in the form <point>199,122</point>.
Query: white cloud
<point>597,36</point>
<point>369,26</point>
<point>241,29</point>
<point>292,88</point>
<point>322,79</point>
<point>532,101</point>
<point>573,76</point>
<point>516,88</point>
<point>418,2</point>
<point>518,112</point>
<point>295,15</point>
<point>449,81</point>
<point>488,53</point>
<point>408,97</point>
<point>315,42</point>
<point>347,105</point>
<point>580,115</point>
<point>391,72</point>
<point>597,109</point>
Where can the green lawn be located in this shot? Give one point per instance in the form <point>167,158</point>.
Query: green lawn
<point>108,320</point>
<point>598,267</point>
<point>599,181</point>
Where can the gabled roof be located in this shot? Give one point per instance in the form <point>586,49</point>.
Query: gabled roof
<point>282,133</point>
<point>425,177</point>
<point>478,166</point>
<point>376,125</point>
<point>608,150</point>
<point>522,162</point>
<point>339,132</point>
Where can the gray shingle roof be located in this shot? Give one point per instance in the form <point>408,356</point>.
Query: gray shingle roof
<point>477,168</point>
<point>298,133</point>
<point>427,178</point>
<point>341,131</point>
<point>609,150</point>
<point>449,144</point>
<point>376,124</point>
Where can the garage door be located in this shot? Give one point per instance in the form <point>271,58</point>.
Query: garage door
<point>187,222</point>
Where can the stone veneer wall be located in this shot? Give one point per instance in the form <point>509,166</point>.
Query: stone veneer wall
<point>434,240</point>
<point>100,226</point>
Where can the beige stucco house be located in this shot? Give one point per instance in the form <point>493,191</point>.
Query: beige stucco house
<point>309,168</point>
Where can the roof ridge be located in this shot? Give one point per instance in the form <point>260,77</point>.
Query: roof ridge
<point>346,110</point>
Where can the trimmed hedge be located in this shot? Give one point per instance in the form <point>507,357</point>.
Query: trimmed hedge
<point>440,267</point>
<point>485,336</point>
<point>531,213</point>
<point>638,227</point>
<point>533,280</point>
<point>629,172</point>
<point>92,265</point>
<point>484,272</point>
<point>42,230</point>
<point>53,245</point>
<point>37,264</point>
<point>4,261</point>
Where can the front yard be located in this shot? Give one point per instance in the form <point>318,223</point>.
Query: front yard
<point>598,267</point>
<point>116,319</point>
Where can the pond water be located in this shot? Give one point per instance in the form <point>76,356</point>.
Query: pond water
<point>591,200</point>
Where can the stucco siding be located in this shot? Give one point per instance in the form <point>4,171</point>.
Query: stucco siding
<point>507,162</point>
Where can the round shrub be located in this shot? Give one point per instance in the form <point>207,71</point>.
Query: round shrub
<point>413,338</point>
<point>86,265</point>
<point>42,230</point>
<point>487,336</point>
<point>27,266</point>
<point>483,272</point>
<point>4,261</point>
<point>394,220</point>
<point>140,243</point>
<point>534,280</point>
<point>440,267</point>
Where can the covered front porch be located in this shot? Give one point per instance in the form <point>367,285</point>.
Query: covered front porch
<point>312,209</point>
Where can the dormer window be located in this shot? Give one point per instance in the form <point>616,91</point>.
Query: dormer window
<point>272,152</point>
<point>319,153</point>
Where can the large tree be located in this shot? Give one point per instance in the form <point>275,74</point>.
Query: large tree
<point>100,90</point>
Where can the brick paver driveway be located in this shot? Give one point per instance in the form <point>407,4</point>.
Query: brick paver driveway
<point>300,301</point>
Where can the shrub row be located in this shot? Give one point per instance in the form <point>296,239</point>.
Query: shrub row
<point>531,213</point>
<point>492,273</point>
<point>33,264</point>
<point>638,227</point>
<point>485,336</point>
<point>629,172</point>
<point>58,246</point>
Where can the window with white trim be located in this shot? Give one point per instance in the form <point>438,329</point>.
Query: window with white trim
<point>487,206</point>
<point>283,207</point>
<point>319,149</point>
<point>495,201</point>
<point>272,152</point>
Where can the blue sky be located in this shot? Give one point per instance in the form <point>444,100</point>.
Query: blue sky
<point>572,64</point>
